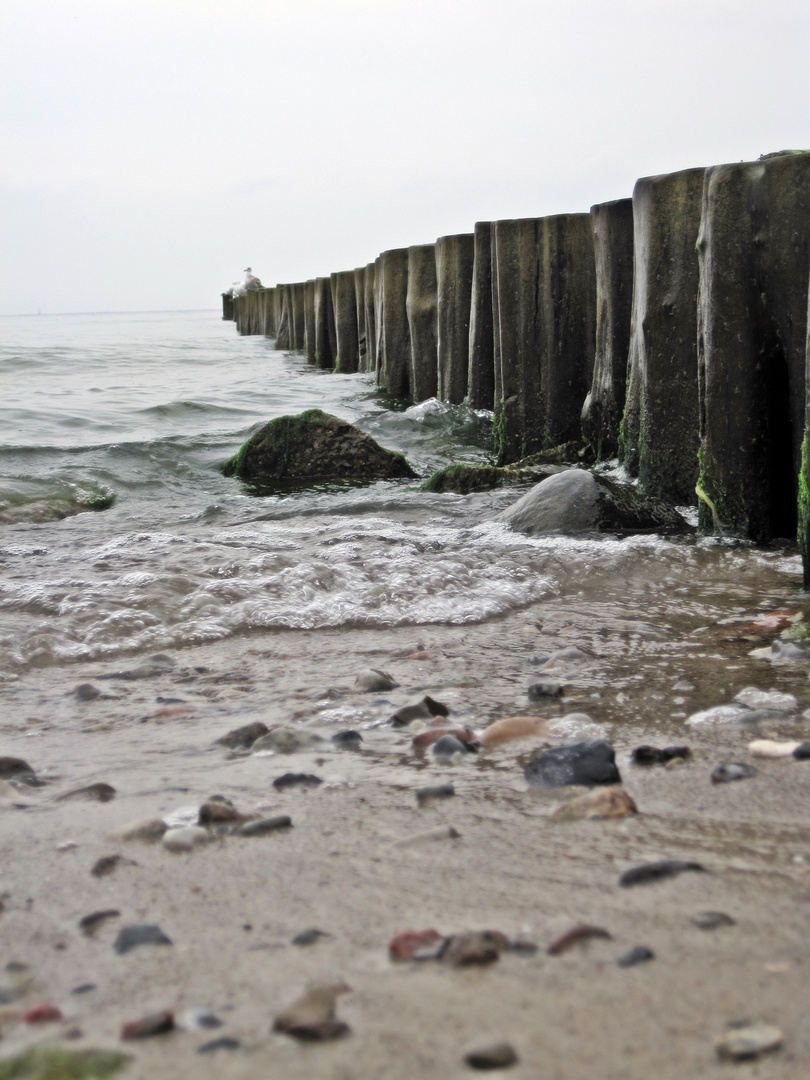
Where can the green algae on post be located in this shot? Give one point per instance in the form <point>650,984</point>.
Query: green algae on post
<point>54,1063</point>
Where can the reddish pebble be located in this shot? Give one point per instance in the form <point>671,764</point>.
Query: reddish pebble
<point>572,937</point>
<point>176,710</point>
<point>403,946</point>
<point>42,1014</point>
<point>154,1024</point>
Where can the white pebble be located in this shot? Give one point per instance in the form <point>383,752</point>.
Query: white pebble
<point>770,748</point>
<point>143,829</point>
<point>185,838</point>
<point>445,832</point>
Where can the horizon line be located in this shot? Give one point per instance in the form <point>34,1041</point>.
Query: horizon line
<point>138,311</point>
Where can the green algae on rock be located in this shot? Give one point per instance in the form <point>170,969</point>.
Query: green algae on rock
<point>314,446</point>
<point>54,1063</point>
<point>463,479</point>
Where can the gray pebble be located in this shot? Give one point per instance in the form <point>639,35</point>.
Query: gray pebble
<point>732,770</point>
<point>638,955</point>
<point>86,692</point>
<point>296,779</point>
<point>347,740</point>
<point>265,825</point>
<point>802,751</point>
<point>427,795</point>
<point>539,691</point>
<point>496,1056</point>
<point>309,937</point>
<point>448,745</point>
<point>711,920</point>
<point>131,937</point>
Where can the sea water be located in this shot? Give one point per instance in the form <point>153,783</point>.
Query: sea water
<point>128,419</point>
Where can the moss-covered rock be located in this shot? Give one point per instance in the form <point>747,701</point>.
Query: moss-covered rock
<point>463,479</point>
<point>55,1063</point>
<point>314,446</point>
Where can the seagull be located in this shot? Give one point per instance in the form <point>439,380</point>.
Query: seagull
<point>250,281</point>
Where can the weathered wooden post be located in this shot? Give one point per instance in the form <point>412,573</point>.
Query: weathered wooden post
<point>613,256</point>
<point>454,272</point>
<point>298,335</point>
<point>660,427</point>
<point>278,308</point>
<point>421,302</point>
<point>325,338</point>
<point>284,330</point>
<point>309,319</point>
<point>369,313</point>
<point>481,366</point>
<point>344,303</point>
<point>754,255</point>
<point>360,313</point>
<point>393,337</point>
<point>227,306</point>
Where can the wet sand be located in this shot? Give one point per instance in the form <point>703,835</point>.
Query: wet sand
<point>232,906</point>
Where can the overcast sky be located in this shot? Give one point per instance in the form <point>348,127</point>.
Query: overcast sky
<point>150,151</point>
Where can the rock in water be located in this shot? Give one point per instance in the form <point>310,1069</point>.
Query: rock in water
<point>596,805</point>
<point>374,681</point>
<point>576,501</point>
<point>589,762</point>
<point>728,771</point>
<point>147,1026</point>
<point>244,737</point>
<point>314,446</point>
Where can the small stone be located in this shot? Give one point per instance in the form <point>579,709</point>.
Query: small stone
<point>311,1017</point>
<point>577,934</point>
<point>638,955</point>
<point>729,771</point>
<point>184,839</point>
<point>719,714</point>
<point>198,1020</point>
<point>683,686</point>
<point>444,832</point>
<point>425,709</point>
<point>155,1024</point>
<point>105,865</point>
<point>86,692</point>
<point>711,920</point>
<point>94,792</point>
<point>224,1042</point>
<point>131,937</point>
<point>149,829</point>
<point>754,698</point>
<point>286,741</point>
<point>244,737</point>
<point>83,988</point>
<point>539,691</point>
<point>448,745</point>
<point>296,779</point>
<point>13,766</point>
<point>802,751</point>
<point>496,1056</point>
<point>771,748</point>
<point>433,734</point>
<point>467,950</point>
<point>403,946</point>
<point>309,937</point>
<point>266,825</point>
<point>588,762</point>
<point>654,755</point>
<point>514,727</point>
<point>372,680</point>
<point>657,871</point>
<point>90,923</point>
<point>744,1043</point>
<point>43,1013</point>
<point>427,795</point>
<point>149,669</point>
<point>610,803</point>
<point>219,811</point>
<point>347,740</point>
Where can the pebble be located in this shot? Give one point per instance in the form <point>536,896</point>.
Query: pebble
<point>296,779</point>
<point>479,947</point>
<point>577,934</point>
<point>657,871</point>
<point>105,865</point>
<point>540,690</point>
<point>638,955</point>
<point>448,745</point>
<point>654,755</point>
<point>143,829</point>
<point>97,792</point>
<point>83,988</point>
<point>444,832</point>
<point>514,727</point>
<point>427,795</point>
<point>588,762</point>
<point>711,920</point>
<point>244,737</point>
<point>224,1042</point>
<point>44,1013</point>
<point>754,698</point>
<point>683,686</point>
<point>197,1020</point>
<point>425,709</point>
<point>432,735</point>
<point>154,1024</point>
<point>311,1017</point>
<point>86,692</point>
<point>719,714</point>
<point>219,811</point>
<point>309,937</point>
<point>184,839</point>
<point>90,923</point>
<point>744,1043</point>
<point>771,748</point>
<point>729,771</point>
<point>372,680</point>
<point>149,669</point>
<point>802,751</point>
<point>14,766</point>
<point>286,741</point>
<point>495,1056</point>
<point>347,740</point>
<point>266,825</point>
<point>404,945</point>
<point>610,803</point>
<point>131,937</point>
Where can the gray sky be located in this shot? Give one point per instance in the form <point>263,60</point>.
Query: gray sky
<point>149,151</point>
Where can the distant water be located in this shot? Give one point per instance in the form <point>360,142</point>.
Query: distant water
<point>131,415</point>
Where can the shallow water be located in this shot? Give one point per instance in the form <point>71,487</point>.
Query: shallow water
<point>134,414</point>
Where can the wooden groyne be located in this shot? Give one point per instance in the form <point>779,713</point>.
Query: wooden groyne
<point>670,329</point>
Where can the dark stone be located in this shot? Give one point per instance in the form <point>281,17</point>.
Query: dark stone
<point>479,947</point>
<point>540,690</point>
<point>291,779</point>
<point>732,770</point>
<point>497,1056</point>
<point>393,335</point>
<point>420,304</point>
<point>344,303</point>
<point>347,740</point>
<point>638,955</point>
<point>131,937</point>
<point>90,923</point>
<point>587,762</point>
<point>218,811</point>
<point>711,920</point>
<point>319,1031</point>
<point>802,751</point>
<point>14,766</point>
<point>657,871</point>
<point>312,446</point>
<point>425,709</point>
<point>105,865</point>
<point>481,370</point>
<point>654,755</point>
<point>309,937</point>
<point>87,692</point>
<point>577,934</point>
<point>613,252</point>
<point>96,792</point>
<point>454,274</point>
<point>84,988</point>
<point>462,479</point>
<point>660,427</point>
<point>427,795</point>
<point>576,501</point>
<point>266,825</point>
<point>224,1042</point>
<point>448,745</point>
<point>244,737</point>
<point>147,1026</point>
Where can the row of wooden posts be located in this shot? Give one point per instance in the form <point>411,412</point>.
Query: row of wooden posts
<point>670,329</point>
